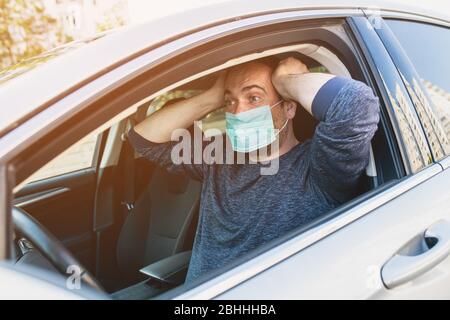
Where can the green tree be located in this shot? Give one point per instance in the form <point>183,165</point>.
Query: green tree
<point>113,17</point>
<point>26,29</point>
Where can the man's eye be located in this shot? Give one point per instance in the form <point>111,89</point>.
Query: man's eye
<point>254,99</point>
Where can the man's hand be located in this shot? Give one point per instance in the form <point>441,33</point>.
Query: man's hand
<point>159,126</point>
<point>286,68</point>
<point>293,81</point>
<point>214,95</point>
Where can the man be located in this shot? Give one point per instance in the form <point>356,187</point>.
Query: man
<point>241,209</point>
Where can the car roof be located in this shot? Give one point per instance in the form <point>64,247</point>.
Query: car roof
<point>26,94</point>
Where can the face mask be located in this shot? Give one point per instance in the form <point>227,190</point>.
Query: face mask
<point>253,129</point>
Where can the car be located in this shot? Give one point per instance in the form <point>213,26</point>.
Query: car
<point>83,216</point>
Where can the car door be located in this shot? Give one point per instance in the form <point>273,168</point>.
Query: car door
<point>60,195</point>
<point>392,244</point>
<point>425,71</point>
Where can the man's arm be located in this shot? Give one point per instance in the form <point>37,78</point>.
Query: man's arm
<point>151,138</point>
<point>348,112</point>
<point>158,127</point>
<point>294,82</point>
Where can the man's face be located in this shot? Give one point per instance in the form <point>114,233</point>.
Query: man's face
<point>249,86</point>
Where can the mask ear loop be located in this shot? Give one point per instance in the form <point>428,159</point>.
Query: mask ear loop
<point>279,130</point>
<point>284,125</point>
<point>279,101</point>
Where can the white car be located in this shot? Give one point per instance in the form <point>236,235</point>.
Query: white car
<point>82,216</point>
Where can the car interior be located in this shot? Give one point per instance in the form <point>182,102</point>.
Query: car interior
<point>130,222</point>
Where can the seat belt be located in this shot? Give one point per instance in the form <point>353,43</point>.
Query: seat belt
<point>129,171</point>
<point>129,174</point>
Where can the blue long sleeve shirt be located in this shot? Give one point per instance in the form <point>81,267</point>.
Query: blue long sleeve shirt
<point>240,209</point>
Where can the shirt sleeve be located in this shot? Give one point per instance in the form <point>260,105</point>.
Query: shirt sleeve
<point>161,154</point>
<point>348,112</point>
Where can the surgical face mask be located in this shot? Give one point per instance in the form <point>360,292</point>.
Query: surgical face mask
<point>253,129</point>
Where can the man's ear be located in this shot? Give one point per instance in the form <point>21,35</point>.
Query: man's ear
<point>290,107</point>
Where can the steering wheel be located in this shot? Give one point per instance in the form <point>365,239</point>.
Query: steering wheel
<point>50,246</point>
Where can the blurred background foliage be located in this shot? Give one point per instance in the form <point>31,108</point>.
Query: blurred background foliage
<point>31,27</point>
<point>26,30</point>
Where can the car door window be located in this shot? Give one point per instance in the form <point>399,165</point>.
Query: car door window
<point>79,156</point>
<point>428,46</point>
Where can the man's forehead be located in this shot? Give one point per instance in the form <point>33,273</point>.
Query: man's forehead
<point>248,75</point>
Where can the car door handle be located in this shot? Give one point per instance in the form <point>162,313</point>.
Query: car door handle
<point>430,249</point>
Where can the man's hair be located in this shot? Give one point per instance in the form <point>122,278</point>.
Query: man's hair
<point>270,61</point>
